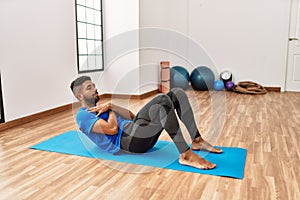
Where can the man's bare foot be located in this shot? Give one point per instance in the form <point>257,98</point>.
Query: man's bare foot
<point>191,159</point>
<point>200,144</point>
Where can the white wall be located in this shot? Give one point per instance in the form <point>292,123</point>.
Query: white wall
<point>161,17</point>
<point>121,24</point>
<point>247,37</point>
<point>38,53</point>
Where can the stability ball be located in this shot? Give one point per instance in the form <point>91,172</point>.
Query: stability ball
<point>218,85</point>
<point>229,85</point>
<point>179,77</point>
<point>202,78</point>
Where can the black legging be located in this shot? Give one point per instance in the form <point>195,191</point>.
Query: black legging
<point>142,133</point>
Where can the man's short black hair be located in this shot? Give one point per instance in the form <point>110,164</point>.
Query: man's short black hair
<point>78,82</point>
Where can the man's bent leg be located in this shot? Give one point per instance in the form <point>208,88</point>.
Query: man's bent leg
<point>184,110</point>
<point>160,113</point>
<point>186,115</point>
<point>139,136</point>
<point>156,115</point>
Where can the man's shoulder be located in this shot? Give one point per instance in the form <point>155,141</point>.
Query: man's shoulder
<point>81,110</point>
<point>83,113</point>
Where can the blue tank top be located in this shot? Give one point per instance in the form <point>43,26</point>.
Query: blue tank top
<point>108,143</point>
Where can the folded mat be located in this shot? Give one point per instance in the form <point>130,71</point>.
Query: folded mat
<point>164,154</point>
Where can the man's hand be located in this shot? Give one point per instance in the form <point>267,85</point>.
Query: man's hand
<point>123,112</point>
<point>101,108</point>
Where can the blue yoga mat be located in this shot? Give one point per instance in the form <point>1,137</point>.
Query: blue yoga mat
<point>164,154</point>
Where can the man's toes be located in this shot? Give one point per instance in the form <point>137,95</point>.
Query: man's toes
<point>216,150</point>
<point>219,150</point>
<point>209,166</point>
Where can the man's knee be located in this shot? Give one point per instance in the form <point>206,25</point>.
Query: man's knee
<point>164,99</point>
<point>179,91</point>
<point>177,94</point>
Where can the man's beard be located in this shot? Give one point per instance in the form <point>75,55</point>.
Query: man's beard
<point>92,101</point>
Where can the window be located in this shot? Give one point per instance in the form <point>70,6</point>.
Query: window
<point>89,35</point>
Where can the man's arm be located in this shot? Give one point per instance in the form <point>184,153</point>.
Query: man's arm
<point>109,127</point>
<point>123,112</point>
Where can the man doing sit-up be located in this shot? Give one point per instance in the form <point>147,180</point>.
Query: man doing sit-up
<point>114,128</point>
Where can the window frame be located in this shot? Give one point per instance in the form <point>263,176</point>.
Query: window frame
<point>88,55</point>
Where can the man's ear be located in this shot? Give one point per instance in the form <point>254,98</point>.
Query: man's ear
<point>79,96</point>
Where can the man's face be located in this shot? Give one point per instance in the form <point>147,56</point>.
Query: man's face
<point>89,93</point>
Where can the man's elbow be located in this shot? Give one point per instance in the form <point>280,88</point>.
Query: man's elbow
<point>113,130</point>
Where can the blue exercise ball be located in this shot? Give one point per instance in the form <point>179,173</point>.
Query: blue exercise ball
<point>218,85</point>
<point>202,78</point>
<point>179,77</point>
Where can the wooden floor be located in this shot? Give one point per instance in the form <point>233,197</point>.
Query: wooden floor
<point>268,126</point>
